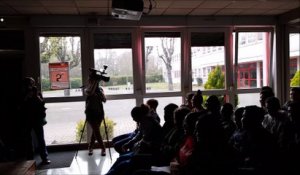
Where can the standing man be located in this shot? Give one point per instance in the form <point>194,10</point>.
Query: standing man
<point>35,113</point>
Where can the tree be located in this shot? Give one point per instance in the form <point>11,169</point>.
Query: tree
<point>64,49</point>
<point>216,79</point>
<point>167,45</point>
<point>295,82</point>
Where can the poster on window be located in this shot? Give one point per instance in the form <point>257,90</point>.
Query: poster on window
<point>59,76</point>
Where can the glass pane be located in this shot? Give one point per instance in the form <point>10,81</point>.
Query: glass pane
<point>253,59</point>
<point>295,59</point>
<point>65,50</point>
<point>208,67</point>
<point>162,102</point>
<point>163,64</point>
<point>119,111</point>
<point>62,119</point>
<point>119,62</point>
<point>248,99</point>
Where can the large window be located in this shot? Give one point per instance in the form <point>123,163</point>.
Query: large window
<point>114,50</point>
<point>162,53</point>
<point>294,59</point>
<point>60,66</point>
<point>253,60</point>
<point>208,61</point>
<point>62,121</point>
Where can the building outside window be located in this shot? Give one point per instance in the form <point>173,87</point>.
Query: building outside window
<point>294,53</point>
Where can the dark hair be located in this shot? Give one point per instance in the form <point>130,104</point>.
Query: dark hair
<point>189,95</point>
<point>254,113</point>
<point>267,88</point>
<point>190,121</point>
<point>153,103</point>
<point>198,96</point>
<point>273,102</point>
<point>170,107</point>
<point>213,103</point>
<point>179,115</point>
<point>139,112</point>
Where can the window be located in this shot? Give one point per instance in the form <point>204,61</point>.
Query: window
<point>248,99</point>
<point>211,64</point>
<point>294,60</point>
<point>253,61</point>
<point>114,50</point>
<point>62,121</point>
<point>60,65</point>
<point>160,51</point>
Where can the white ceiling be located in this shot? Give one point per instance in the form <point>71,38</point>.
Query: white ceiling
<point>160,7</point>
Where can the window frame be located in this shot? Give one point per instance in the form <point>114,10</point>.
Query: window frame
<point>227,62</point>
<point>182,37</point>
<point>271,77</point>
<point>61,32</point>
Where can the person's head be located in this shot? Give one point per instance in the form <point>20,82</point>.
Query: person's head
<point>265,93</point>
<point>272,105</point>
<point>294,112</point>
<point>139,112</point>
<point>227,111</point>
<point>169,112</point>
<point>252,117</point>
<point>295,94</point>
<point>188,99</point>
<point>213,104</point>
<point>152,103</point>
<point>205,129</point>
<point>29,82</point>
<point>179,115</point>
<point>189,123</point>
<point>197,100</point>
<point>238,114</point>
<point>266,88</point>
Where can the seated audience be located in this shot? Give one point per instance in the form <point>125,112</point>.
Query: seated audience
<point>226,120</point>
<point>255,144</point>
<point>153,103</point>
<point>171,142</point>
<point>197,101</point>
<point>188,100</point>
<point>147,141</point>
<point>169,119</point>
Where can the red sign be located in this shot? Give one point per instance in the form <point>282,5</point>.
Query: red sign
<point>59,75</point>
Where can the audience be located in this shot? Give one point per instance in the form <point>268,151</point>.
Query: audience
<point>153,103</point>
<point>194,140</point>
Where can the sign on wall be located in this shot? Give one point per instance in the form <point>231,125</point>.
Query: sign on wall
<point>59,76</point>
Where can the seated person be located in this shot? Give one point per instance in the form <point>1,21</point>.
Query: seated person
<point>147,141</point>
<point>120,140</point>
<point>153,103</point>
<point>169,119</point>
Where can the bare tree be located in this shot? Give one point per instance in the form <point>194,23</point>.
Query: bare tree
<point>75,53</point>
<point>167,46</point>
<point>147,53</point>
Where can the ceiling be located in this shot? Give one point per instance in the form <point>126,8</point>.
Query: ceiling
<point>160,7</point>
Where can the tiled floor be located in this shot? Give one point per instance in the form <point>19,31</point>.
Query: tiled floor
<point>85,164</point>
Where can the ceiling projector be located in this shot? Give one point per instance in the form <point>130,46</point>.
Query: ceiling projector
<point>127,9</point>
